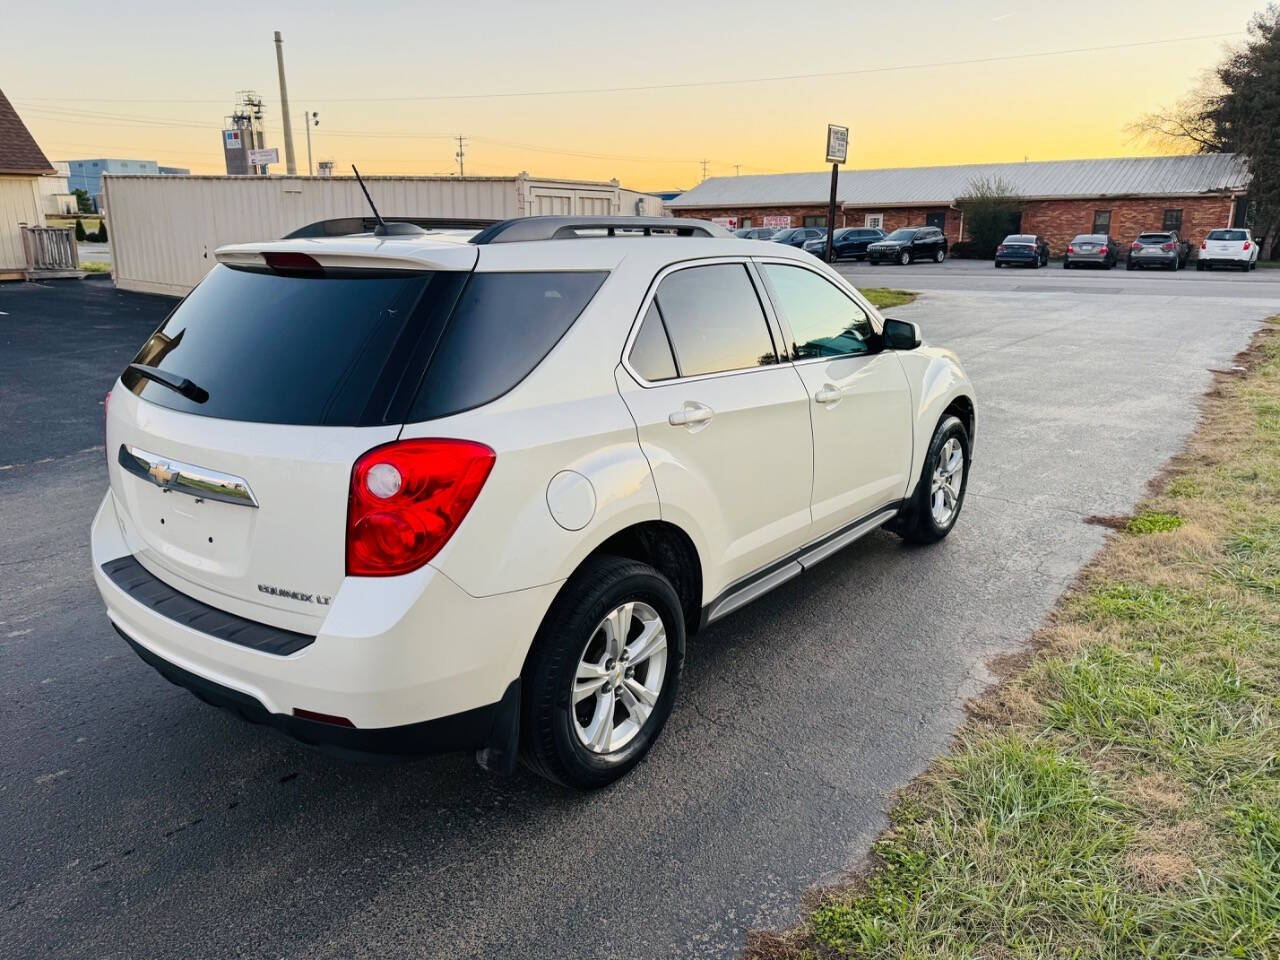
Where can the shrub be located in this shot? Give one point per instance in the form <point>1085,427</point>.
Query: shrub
<point>102,232</point>
<point>990,210</point>
<point>81,236</point>
<point>965,250</point>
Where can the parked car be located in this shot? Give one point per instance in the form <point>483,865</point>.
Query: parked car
<point>909,244</point>
<point>848,243</point>
<point>1164,249</point>
<point>1023,249</point>
<point>401,541</point>
<point>755,233</point>
<point>1228,248</point>
<point>1091,249</point>
<point>798,236</point>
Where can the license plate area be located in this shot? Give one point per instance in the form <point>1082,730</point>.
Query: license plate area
<point>202,537</point>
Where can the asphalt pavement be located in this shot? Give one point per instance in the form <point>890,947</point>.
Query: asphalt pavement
<point>140,822</point>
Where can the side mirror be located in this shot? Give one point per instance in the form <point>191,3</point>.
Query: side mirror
<point>900,334</point>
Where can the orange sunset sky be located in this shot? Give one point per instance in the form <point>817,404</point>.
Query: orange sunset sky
<point>533,85</point>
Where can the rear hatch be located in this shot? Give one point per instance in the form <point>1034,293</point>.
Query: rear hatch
<point>1153,243</point>
<point>234,487</point>
<point>1226,243</point>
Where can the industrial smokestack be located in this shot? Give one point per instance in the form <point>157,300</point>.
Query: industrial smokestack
<point>290,167</point>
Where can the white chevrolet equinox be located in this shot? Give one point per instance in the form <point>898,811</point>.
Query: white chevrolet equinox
<point>406,491</point>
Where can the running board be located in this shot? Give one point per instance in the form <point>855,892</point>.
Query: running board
<point>756,585</point>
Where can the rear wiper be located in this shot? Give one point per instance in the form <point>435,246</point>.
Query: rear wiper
<point>182,385</point>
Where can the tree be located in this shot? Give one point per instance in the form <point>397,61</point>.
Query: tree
<point>83,203</point>
<point>990,207</point>
<point>102,231</point>
<point>1236,109</point>
<point>81,236</point>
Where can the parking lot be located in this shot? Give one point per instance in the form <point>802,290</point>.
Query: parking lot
<point>141,822</point>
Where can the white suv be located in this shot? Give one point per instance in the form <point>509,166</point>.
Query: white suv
<point>1228,248</point>
<point>411,491</point>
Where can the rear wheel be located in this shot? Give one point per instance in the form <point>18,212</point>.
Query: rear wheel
<point>1199,266</point>
<point>1066,264</point>
<point>939,255</point>
<point>940,493</point>
<point>603,673</point>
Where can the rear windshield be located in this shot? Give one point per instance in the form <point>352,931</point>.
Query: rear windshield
<point>1090,238</point>
<point>350,350</point>
<point>1236,235</point>
<point>1155,238</point>
<point>1020,238</point>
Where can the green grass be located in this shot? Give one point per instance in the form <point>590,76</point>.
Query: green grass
<point>882,298</point>
<point>96,266</point>
<point>1118,795</point>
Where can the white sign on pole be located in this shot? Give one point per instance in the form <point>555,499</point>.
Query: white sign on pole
<point>837,143</point>
<point>260,158</point>
<point>232,138</point>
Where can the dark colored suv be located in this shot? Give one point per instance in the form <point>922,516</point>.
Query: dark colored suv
<point>908,245</point>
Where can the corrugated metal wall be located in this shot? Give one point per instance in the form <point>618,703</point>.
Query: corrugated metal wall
<point>19,204</point>
<point>163,230</point>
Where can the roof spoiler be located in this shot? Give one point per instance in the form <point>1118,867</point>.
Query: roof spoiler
<point>567,228</point>
<point>349,226</point>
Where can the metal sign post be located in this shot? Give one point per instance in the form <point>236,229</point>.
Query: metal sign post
<point>837,153</point>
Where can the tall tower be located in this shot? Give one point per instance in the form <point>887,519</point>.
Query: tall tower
<point>242,131</point>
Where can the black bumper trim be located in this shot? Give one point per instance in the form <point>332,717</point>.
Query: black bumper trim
<point>470,730</point>
<point>152,592</point>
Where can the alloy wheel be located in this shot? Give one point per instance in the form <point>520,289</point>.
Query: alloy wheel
<point>619,677</point>
<point>948,477</point>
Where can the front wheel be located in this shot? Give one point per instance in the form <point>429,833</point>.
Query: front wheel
<point>904,258</point>
<point>939,495</point>
<point>603,673</point>
<point>939,256</point>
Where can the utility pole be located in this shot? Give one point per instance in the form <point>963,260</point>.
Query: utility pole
<point>311,119</point>
<point>460,154</point>
<point>737,169</point>
<point>290,166</point>
<point>704,168</point>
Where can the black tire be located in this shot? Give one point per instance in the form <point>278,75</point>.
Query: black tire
<point>904,258</point>
<point>999,264</point>
<point>916,523</point>
<point>1199,266</point>
<point>939,256</point>
<point>1129,265</point>
<point>1066,264</point>
<point>549,743</point>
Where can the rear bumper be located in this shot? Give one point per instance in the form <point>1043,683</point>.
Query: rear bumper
<point>1150,260</point>
<point>1023,259</point>
<point>1224,261</point>
<point>413,663</point>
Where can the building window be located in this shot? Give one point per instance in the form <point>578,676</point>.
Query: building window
<point>1101,221</point>
<point>815,221</point>
<point>875,221</point>
<point>1173,221</point>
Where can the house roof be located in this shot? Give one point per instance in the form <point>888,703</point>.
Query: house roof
<point>18,150</point>
<point>927,186</point>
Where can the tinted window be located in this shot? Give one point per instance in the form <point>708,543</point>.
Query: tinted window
<point>651,353</point>
<point>1020,238</point>
<point>285,349</point>
<point>1154,238</point>
<point>903,234</point>
<point>824,321</point>
<point>502,327</point>
<point>1235,235</point>
<point>714,320</point>
<point>786,234</point>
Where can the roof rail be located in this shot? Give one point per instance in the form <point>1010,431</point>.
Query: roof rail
<point>349,226</point>
<point>568,228</point>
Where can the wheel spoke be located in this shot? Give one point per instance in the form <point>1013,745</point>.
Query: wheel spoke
<point>652,639</point>
<point>616,627</point>
<point>601,730</point>
<point>954,460</point>
<point>638,709</point>
<point>640,692</point>
<point>591,677</point>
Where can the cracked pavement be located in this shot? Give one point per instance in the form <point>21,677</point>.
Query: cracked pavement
<point>140,822</point>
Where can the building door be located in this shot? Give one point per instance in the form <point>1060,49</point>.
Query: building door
<point>937,219</point>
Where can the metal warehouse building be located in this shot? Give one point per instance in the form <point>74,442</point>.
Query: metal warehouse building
<point>1058,199</point>
<point>163,230</point>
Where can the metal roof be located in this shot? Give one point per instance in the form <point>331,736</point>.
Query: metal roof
<point>927,186</point>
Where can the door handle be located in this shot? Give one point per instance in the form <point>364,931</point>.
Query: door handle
<point>691,414</point>
<point>829,393</point>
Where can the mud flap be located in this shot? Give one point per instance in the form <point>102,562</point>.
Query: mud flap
<point>502,749</point>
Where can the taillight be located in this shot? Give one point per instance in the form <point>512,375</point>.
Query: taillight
<point>1135,245</point>
<point>1169,246</point>
<point>1000,249</point>
<point>1204,245</point>
<point>1071,249</point>
<point>1102,250</point>
<point>1246,245</point>
<point>407,498</point>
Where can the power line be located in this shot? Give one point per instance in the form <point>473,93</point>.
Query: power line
<point>682,85</point>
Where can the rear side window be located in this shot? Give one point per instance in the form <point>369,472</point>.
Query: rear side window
<point>503,326</point>
<point>715,320</point>
<point>286,349</point>
<point>651,353</point>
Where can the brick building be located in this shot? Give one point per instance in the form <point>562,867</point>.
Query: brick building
<point>1058,199</point>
